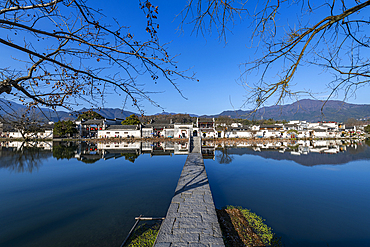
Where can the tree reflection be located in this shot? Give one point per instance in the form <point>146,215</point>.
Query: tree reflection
<point>88,161</point>
<point>367,142</point>
<point>223,156</point>
<point>130,156</point>
<point>25,158</point>
<point>64,150</point>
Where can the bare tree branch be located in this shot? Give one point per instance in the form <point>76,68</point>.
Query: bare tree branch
<point>73,55</point>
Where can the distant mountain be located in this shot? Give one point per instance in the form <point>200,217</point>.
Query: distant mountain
<point>110,113</point>
<point>172,113</point>
<point>306,109</point>
<point>9,107</point>
<point>47,114</point>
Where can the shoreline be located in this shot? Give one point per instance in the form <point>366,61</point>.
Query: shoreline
<point>162,139</point>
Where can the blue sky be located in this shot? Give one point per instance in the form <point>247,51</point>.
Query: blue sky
<point>215,62</point>
<point>216,65</point>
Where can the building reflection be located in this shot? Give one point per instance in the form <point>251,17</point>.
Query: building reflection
<point>300,147</point>
<point>208,150</point>
<point>22,156</point>
<point>90,152</point>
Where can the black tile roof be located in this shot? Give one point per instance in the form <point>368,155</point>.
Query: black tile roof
<point>123,127</point>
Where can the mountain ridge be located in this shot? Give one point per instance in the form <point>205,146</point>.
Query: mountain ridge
<point>305,109</point>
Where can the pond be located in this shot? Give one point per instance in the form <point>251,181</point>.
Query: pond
<point>312,199</point>
<point>87,194</point>
<point>82,201</point>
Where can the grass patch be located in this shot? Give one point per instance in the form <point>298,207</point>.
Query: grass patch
<point>241,227</point>
<point>144,235</point>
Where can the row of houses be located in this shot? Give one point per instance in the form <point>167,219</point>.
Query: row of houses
<point>293,129</point>
<point>207,128</point>
<point>204,127</point>
<point>111,128</point>
<point>41,131</point>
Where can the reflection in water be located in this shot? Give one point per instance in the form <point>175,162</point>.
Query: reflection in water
<point>64,150</point>
<point>299,188</point>
<point>90,152</point>
<point>307,153</point>
<point>72,204</point>
<point>224,157</point>
<point>68,203</point>
<point>24,156</point>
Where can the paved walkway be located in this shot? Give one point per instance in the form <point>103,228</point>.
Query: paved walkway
<point>191,219</point>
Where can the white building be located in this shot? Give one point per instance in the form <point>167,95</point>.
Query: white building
<point>120,131</point>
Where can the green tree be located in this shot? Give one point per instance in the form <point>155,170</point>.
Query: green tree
<point>89,115</point>
<point>62,128</point>
<point>269,121</point>
<point>367,129</point>
<point>131,120</point>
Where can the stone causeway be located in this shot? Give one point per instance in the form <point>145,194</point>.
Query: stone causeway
<point>191,218</point>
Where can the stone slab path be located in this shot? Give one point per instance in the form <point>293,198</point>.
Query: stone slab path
<point>191,219</point>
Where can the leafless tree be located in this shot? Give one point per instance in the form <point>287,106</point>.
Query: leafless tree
<point>331,34</point>
<point>65,51</point>
<point>27,121</point>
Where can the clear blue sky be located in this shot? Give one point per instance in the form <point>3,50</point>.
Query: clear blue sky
<point>215,63</point>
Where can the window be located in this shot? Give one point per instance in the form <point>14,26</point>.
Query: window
<point>117,133</point>
<point>125,133</point>
<point>108,133</point>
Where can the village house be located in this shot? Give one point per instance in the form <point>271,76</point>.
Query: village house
<point>158,128</point>
<point>89,128</point>
<point>183,130</point>
<point>239,132</point>
<point>270,131</point>
<point>205,128</point>
<point>120,131</point>
<point>45,131</point>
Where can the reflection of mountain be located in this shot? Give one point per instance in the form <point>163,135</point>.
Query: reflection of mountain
<point>311,159</point>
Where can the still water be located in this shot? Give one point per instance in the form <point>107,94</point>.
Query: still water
<point>87,194</point>
<point>86,201</point>
<point>312,199</point>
